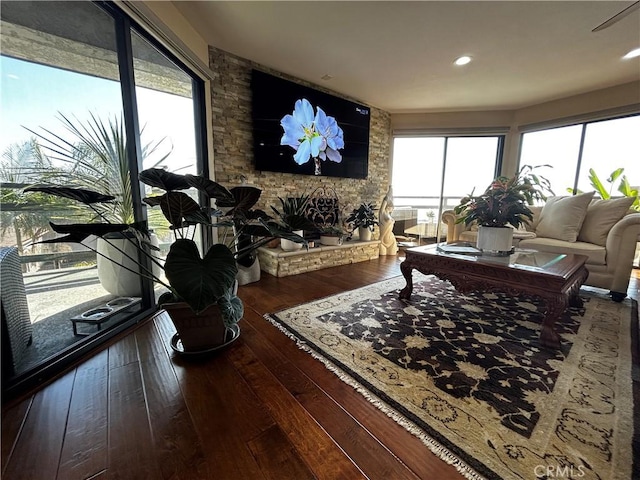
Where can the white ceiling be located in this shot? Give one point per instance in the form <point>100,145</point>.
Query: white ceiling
<point>398,55</point>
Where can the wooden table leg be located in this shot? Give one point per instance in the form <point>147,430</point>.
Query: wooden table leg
<point>406,268</point>
<point>555,306</point>
<point>575,301</point>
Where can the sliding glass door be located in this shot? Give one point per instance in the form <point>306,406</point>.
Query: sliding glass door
<point>88,100</point>
<point>432,173</point>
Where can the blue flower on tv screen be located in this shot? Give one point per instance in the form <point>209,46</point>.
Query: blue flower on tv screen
<point>312,136</point>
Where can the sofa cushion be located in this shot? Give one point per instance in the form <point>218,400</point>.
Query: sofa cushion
<point>597,254</point>
<point>561,217</point>
<point>601,216</point>
<point>531,225</point>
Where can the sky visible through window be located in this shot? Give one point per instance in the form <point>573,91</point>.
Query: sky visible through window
<point>33,95</point>
<point>418,167</point>
<point>609,144</point>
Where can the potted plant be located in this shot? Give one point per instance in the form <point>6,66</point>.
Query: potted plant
<point>364,219</point>
<point>246,224</point>
<point>332,235</point>
<point>503,205</point>
<point>200,295</point>
<point>96,158</point>
<point>292,216</point>
<point>624,187</point>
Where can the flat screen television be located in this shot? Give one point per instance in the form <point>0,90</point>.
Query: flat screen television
<point>297,129</point>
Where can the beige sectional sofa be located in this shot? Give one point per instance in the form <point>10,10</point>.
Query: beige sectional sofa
<point>606,231</point>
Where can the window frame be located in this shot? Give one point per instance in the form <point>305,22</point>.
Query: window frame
<point>584,123</point>
<point>500,134</point>
<point>124,26</point>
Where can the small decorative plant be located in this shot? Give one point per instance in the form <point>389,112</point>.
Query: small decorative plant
<point>247,222</point>
<point>292,214</point>
<point>505,201</point>
<point>332,231</point>
<point>332,234</point>
<point>363,217</point>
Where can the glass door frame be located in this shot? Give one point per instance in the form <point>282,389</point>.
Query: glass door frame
<point>583,135</point>
<point>501,139</point>
<point>124,27</point>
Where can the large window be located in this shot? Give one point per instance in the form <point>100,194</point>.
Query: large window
<point>571,151</point>
<point>432,174</point>
<point>77,78</point>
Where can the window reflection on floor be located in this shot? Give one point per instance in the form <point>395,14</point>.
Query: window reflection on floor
<point>57,300</point>
<point>54,298</point>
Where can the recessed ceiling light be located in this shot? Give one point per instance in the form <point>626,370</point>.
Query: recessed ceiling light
<point>632,54</point>
<point>326,76</point>
<point>462,60</point>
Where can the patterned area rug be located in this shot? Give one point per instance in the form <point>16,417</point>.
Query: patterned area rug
<point>466,374</point>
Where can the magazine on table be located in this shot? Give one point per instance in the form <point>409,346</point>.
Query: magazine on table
<point>460,248</point>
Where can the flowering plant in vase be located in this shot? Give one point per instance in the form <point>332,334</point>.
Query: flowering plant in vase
<point>505,202</point>
<point>316,136</point>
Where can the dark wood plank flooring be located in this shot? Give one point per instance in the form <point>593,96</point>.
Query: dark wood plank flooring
<point>262,409</point>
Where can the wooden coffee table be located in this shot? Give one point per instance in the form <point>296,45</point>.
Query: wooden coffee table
<point>555,278</point>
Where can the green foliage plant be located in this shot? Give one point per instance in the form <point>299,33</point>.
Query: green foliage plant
<point>92,155</point>
<point>95,157</point>
<point>292,213</point>
<point>198,281</point>
<point>505,201</point>
<point>332,231</point>
<point>624,187</point>
<point>364,216</point>
<point>246,222</point>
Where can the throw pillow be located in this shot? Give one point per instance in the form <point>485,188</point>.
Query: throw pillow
<point>601,216</point>
<point>561,217</point>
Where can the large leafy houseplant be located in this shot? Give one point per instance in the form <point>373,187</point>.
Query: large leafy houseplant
<point>624,187</point>
<point>95,157</point>
<point>246,225</point>
<point>503,204</point>
<point>292,217</point>
<point>199,282</point>
<point>92,153</point>
<point>506,201</point>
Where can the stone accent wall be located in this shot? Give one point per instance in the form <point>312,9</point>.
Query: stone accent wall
<point>279,263</point>
<point>233,142</point>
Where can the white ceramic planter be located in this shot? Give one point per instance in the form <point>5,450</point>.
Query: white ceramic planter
<point>495,240</point>
<point>365,234</point>
<point>115,279</point>
<point>330,240</point>
<point>288,245</point>
<point>250,274</point>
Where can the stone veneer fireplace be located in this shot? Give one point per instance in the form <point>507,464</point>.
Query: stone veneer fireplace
<point>233,146</point>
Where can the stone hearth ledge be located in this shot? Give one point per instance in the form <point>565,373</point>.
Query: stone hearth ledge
<point>279,263</point>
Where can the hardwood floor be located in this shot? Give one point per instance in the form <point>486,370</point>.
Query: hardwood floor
<point>262,409</point>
